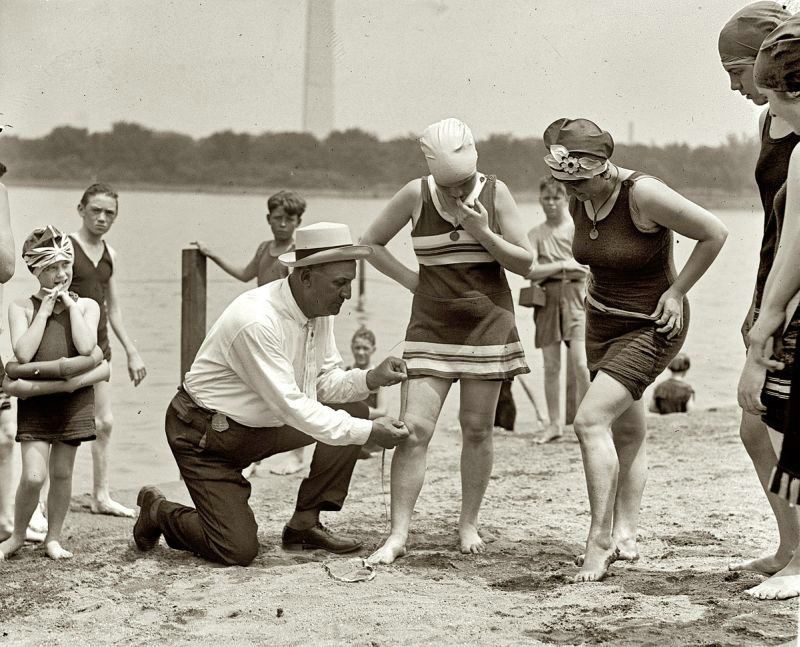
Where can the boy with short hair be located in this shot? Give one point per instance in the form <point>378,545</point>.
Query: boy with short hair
<point>284,213</point>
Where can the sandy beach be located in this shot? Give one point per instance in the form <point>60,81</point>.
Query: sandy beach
<point>702,506</point>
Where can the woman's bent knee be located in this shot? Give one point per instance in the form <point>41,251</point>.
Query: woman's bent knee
<point>587,429</point>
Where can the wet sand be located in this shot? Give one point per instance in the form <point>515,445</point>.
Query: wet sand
<point>702,506</point>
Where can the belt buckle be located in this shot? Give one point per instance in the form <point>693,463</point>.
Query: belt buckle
<point>219,422</point>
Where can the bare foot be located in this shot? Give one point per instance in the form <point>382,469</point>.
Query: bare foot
<point>550,434</point>
<point>766,565</point>
<point>392,549</point>
<point>112,508</point>
<point>471,542</point>
<point>595,564</point>
<point>54,550</point>
<point>783,585</point>
<point>38,522</point>
<point>11,546</point>
<point>624,555</point>
<point>290,464</point>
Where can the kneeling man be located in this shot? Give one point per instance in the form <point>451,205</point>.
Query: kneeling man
<point>257,388</point>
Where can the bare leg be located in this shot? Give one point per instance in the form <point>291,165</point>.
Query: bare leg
<point>576,355</point>
<point>62,460</point>
<point>757,441</point>
<point>629,432</point>
<point>102,503</point>
<point>6,465</point>
<point>291,462</point>
<point>34,470</point>
<point>477,456</point>
<point>422,402</point>
<point>552,392</point>
<point>605,400</point>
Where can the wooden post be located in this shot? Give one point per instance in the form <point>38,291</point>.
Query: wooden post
<point>193,306</point>
<point>571,396</point>
<point>362,284</point>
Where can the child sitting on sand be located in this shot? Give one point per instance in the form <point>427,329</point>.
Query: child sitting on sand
<point>674,395</point>
<point>284,212</point>
<point>362,345</point>
<point>47,329</point>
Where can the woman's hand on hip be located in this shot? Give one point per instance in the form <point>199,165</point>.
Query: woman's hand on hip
<point>669,313</point>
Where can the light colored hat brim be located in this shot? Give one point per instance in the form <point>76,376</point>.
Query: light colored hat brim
<point>349,253</point>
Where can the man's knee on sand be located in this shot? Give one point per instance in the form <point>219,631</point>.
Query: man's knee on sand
<point>240,552</point>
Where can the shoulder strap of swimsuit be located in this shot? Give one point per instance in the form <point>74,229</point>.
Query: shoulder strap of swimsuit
<point>765,128</point>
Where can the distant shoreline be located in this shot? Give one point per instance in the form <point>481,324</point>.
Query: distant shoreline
<point>710,198</point>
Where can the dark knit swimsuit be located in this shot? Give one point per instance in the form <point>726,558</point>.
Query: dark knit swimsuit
<point>630,270</point>
<point>91,282</point>
<point>59,417</point>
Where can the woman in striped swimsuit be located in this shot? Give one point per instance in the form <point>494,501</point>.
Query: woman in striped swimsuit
<point>465,230</point>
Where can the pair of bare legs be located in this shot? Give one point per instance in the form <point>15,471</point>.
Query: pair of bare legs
<point>38,460</point>
<point>101,502</point>
<point>611,430</point>
<point>576,357</point>
<point>782,567</point>
<point>422,402</point>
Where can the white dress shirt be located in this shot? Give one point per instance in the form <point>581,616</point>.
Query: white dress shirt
<point>265,364</point>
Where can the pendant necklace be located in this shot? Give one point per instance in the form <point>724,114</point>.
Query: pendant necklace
<point>454,235</point>
<point>594,234</point>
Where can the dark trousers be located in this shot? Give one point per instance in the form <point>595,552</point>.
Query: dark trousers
<point>222,527</point>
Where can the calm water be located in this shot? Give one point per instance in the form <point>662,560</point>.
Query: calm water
<point>153,227</point>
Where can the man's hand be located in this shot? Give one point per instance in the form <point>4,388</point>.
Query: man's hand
<point>390,371</point>
<point>387,432</point>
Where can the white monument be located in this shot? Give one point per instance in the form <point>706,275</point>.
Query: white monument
<point>318,90</point>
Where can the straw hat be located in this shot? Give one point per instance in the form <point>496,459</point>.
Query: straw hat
<point>323,242</point>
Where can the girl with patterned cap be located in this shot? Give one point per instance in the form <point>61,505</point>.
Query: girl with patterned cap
<point>775,334</point>
<point>739,42</point>
<point>636,318</point>
<point>465,230</point>
<point>51,324</point>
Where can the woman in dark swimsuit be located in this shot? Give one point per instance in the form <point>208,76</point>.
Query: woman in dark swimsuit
<point>739,41</point>
<point>636,318</point>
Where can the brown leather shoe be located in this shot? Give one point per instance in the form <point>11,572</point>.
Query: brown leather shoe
<point>318,537</point>
<point>146,532</point>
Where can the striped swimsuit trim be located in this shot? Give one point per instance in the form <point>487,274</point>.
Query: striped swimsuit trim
<point>485,362</point>
<point>440,249</point>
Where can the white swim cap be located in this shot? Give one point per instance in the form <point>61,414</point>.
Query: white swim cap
<point>449,150</point>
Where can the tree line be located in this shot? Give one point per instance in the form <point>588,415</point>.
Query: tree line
<point>350,160</point>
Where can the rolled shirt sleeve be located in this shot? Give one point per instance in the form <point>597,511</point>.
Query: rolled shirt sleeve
<point>265,368</point>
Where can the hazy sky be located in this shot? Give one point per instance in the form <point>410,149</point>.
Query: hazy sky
<point>505,66</point>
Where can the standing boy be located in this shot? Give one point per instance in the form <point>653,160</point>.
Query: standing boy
<point>92,278</point>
